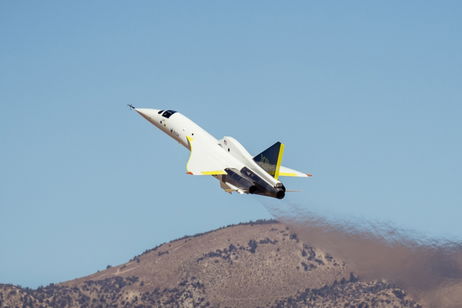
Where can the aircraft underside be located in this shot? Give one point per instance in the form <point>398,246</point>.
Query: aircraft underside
<point>246,181</point>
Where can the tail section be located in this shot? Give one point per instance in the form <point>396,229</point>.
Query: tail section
<point>270,159</point>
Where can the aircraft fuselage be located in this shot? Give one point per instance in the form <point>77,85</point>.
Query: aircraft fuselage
<point>236,168</point>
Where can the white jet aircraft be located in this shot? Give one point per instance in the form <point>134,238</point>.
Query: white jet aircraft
<point>226,159</point>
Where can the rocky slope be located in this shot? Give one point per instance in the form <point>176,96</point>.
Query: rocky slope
<point>260,264</point>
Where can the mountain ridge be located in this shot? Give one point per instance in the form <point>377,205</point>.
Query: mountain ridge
<point>254,264</point>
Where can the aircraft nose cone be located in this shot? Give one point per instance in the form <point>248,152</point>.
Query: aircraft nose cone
<point>147,113</point>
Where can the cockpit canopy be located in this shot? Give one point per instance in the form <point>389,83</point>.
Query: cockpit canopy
<point>168,113</point>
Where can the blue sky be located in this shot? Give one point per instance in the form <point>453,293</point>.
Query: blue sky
<point>366,95</point>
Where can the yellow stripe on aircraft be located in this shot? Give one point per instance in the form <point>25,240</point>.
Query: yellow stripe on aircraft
<point>217,172</point>
<point>278,163</point>
<point>292,174</point>
<point>287,174</point>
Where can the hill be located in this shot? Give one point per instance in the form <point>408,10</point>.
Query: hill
<point>261,264</point>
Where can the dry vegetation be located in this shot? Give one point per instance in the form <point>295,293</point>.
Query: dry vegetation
<point>261,264</point>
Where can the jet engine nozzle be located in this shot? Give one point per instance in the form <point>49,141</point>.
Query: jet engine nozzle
<point>252,189</point>
<point>280,194</point>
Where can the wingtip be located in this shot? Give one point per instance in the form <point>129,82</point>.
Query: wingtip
<point>308,174</point>
<point>131,106</point>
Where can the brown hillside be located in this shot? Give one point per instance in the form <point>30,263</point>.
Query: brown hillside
<point>260,264</point>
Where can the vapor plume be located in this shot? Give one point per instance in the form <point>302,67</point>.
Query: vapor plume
<point>429,269</point>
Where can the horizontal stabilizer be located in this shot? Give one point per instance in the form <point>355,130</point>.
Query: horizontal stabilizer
<point>284,171</point>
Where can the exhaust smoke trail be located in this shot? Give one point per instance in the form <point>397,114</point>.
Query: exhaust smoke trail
<point>429,269</point>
